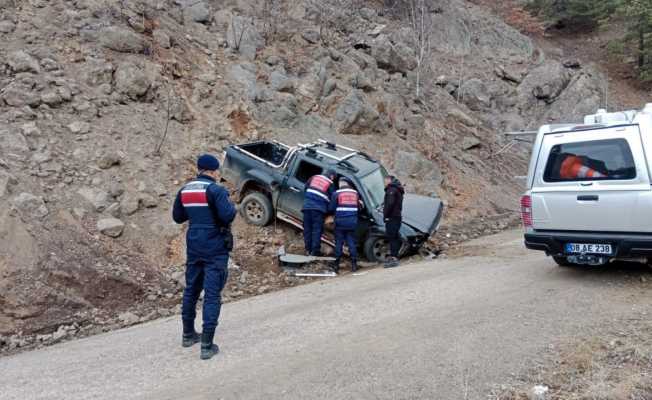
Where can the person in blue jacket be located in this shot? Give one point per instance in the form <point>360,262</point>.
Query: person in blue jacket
<point>345,204</point>
<point>317,195</point>
<point>207,207</point>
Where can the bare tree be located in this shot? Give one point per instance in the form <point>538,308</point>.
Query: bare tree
<point>167,123</point>
<point>420,24</point>
<point>239,26</point>
<point>270,15</point>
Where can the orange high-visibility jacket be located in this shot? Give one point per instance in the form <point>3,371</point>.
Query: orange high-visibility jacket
<point>574,168</point>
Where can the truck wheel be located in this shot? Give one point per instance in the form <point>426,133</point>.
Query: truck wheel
<point>562,261</point>
<point>256,209</point>
<point>376,249</point>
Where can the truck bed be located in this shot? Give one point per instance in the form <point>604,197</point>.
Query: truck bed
<point>270,152</point>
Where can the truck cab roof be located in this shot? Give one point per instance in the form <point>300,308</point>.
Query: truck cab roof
<point>357,162</point>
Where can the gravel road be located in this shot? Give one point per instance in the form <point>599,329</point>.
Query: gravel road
<point>445,329</point>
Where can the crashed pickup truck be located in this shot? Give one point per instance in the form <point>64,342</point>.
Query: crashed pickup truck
<point>270,178</point>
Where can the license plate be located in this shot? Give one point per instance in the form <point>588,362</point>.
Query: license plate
<point>588,248</point>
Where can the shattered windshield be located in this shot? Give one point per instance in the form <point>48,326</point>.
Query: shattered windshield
<point>374,185</point>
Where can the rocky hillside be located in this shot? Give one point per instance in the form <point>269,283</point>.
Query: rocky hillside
<point>105,104</point>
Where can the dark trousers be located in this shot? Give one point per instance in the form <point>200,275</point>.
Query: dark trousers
<point>313,226</point>
<point>211,278</point>
<point>392,228</point>
<point>348,236</point>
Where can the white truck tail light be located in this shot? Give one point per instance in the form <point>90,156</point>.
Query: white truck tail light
<point>526,211</point>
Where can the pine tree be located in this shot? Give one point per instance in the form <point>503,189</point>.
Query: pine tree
<point>637,14</point>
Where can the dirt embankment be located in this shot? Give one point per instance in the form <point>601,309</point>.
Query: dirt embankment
<point>104,106</point>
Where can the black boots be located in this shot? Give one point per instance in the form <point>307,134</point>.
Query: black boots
<point>208,348</point>
<point>335,266</point>
<point>190,339</point>
<point>190,336</point>
<point>391,262</point>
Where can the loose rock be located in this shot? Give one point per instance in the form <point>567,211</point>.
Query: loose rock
<point>111,227</point>
<point>131,80</point>
<point>470,142</point>
<point>108,159</point>
<point>20,61</point>
<point>311,36</point>
<point>162,39</point>
<point>7,26</point>
<point>122,40</point>
<point>99,199</point>
<point>199,11</point>
<point>128,318</point>
<point>475,94</point>
<point>79,127</point>
<point>30,206</point>
<point>392,57</point>
<point>51,98</point>
<point>355,115</point>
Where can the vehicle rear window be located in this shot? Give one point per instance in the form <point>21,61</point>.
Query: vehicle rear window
<point>609,159</point>
<point>306,171</point>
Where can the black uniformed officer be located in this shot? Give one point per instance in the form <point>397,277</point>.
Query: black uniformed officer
<point>206,205</point>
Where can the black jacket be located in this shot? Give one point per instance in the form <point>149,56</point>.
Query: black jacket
<point>393,200</point>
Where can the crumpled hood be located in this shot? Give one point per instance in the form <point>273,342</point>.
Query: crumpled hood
<point>421,212</point>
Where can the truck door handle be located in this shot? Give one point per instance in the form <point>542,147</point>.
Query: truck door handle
<point>588,198</point>
<point>292,188</point>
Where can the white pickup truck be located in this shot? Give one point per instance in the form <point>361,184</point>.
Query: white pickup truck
<point>589,198</point>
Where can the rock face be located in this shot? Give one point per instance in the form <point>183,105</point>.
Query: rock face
<point>98,73</point>
<point>356,116</point>
<point>18,94</point>
<point>392,57</point>
<point>122,40</point>
<point>198,11</point>
<point>12,140</point>
<point>545,82</point>
<point>410,165</point>
<point>131,81</point>
<point>111,227</point>
<point>280,82</point>
<point>475,94</point>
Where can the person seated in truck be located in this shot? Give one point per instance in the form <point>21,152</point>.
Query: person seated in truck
<point>316,200</point>
<point>345,204</point>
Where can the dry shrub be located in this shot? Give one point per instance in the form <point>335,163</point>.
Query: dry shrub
<point>607,366</point>
<point>239,121</point>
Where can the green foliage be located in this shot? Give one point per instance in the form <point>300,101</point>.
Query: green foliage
<point>574,13</point>
<point>634,15</point>
<point>616,48</point>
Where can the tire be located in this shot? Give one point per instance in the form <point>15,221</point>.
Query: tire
<point>256,209</point>
<point>563,262</point>
<point>376,249</point>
